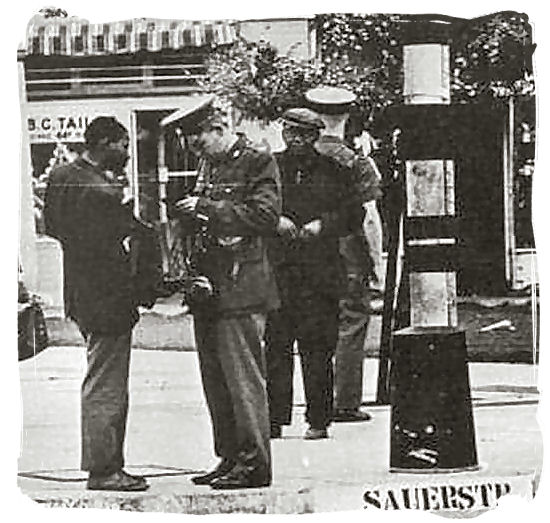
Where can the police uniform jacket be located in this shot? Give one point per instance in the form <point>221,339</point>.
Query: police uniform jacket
<point>240,200</point>
<point>365,178</point>
<point>353,247</point>
<point>316,187</point>
<point>83,211</point>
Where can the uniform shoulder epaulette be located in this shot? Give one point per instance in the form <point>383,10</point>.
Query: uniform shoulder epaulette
<point>339,152</point>
<point>257,147</point>
<point>259,153</point>
<point>60,171</point>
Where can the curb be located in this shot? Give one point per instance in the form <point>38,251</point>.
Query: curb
<point>459,494</point>
<point>253,501</point>
<point>170,328</point>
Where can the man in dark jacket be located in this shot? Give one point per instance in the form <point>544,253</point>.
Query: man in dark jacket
<point>318,207</point>
<point>85,211</point>
<point>333,105</point>
<point>237,197</point>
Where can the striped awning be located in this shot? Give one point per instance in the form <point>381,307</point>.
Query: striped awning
<point>75,37</point>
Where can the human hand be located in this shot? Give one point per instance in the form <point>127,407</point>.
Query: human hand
<point>127,196</point>
<point>311,229</point>
<point>287,227</point>
<point>187,205</point>
<point>369,209</point>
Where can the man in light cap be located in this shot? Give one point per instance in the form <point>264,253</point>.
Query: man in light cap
<point>318,208</point>
<point>237,195</point>
<point>333,105</point>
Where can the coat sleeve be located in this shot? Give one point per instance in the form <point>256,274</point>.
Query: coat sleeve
<point>53,205</point>
<point>106,222</point>
<point>366,178</point>
<point>346,217</point>
<point>257,212</point>
<point>353,214</point>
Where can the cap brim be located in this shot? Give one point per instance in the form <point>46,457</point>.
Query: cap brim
<point>331,108</point>
<point>330,100</point>
<point>192,107</point>
<point>330,95</point>
<point>301,125</point>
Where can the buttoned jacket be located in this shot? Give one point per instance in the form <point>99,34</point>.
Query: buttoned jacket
<point>83,210</point>
<point>240,202</point>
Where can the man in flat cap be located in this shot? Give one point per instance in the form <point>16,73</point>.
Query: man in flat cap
<point>318,208</point>
<point>238,198</point>
<point>333,104</point>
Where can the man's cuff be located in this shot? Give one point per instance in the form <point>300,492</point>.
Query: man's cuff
<point>203,210</point>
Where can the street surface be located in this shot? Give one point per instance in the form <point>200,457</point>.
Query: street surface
<point>169,437</point>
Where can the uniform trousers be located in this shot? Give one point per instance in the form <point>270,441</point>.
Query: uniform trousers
<point>104,402</point>
<point>232,364</point>
<point>352,332</point>
<point>372,229</point>
<point>308,317</point>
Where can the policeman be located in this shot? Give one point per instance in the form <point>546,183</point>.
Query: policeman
<point>318,206</point>
<point>333,105</point>
<point>237,195</point>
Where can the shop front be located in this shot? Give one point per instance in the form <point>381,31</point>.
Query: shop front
<point>72,72</point>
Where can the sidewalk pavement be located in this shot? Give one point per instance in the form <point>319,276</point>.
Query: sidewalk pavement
<point>169,440</point>
<point>497,329</point>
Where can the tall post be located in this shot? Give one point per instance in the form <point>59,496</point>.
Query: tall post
<point>431,419</point>
<point>508,153</point>
<point>27,231</point>
<point>394,203</point>
<point>430,187</point>
<point>163,179</point>
<point>134,174</point>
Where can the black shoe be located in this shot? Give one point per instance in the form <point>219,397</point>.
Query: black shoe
<point>275,431</point>
<point>223,467</point>
<point>242,477</point>
<point>119,481</point>
<point>313,433</point>
<point>350,416</point>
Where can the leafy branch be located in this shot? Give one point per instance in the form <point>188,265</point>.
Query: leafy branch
<point>491,59</point>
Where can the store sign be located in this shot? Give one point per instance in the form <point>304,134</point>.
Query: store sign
<point>66,128</point>
<point>454,495</point>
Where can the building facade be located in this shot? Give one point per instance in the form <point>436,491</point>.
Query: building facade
<point>141,70</point>
<point>71,72</point>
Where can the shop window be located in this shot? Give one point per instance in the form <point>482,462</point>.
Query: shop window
<point>45,157</point>
<point>524,160</point>
<point>179,160</point>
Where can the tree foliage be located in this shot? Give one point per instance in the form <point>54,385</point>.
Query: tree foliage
<point>53,12</point>
<point>493,58</point>
<point>363,53</point>
<point>256,80</point>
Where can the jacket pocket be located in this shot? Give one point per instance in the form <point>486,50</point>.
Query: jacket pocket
<point>251,249</point>
<point>250,285</point>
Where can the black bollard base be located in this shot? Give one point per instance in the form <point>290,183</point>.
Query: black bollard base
<point>432,427</point>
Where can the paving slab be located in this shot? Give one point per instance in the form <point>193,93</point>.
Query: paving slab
<point>167,326</point>
<point>169,440</point>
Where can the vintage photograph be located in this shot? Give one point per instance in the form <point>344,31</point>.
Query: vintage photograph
<point>278,265</point>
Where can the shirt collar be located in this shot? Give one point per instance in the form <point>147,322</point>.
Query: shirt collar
<point>237,148</point>
<point>325,138</point>
<point>85,158</point>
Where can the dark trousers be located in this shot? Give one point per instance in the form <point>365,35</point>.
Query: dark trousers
<point>350,352</point>
<point>104,400</point>
<point>232,367</point>
<point>310,319</point>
